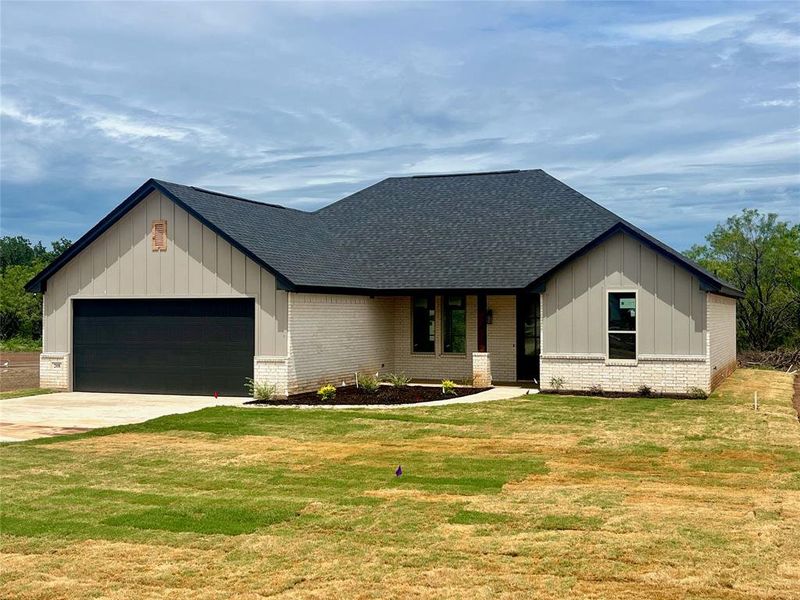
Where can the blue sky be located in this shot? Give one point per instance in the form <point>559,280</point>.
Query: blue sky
<point>673,115</point>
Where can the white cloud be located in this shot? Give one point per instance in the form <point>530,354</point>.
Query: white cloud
<point>118,126</point>
<point>9,109</point>
<point>711,27</point>
<point>774,37</point>
<point>780,102</point>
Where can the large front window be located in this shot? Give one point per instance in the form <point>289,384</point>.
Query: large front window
<point>424,323</point>
<point>622,325</point>
<point>454,323</point>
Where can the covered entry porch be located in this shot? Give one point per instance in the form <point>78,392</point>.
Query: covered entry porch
<point>470,338</point>
<point>484,338</point>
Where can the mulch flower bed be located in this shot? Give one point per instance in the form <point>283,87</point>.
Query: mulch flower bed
<point>385,394</point>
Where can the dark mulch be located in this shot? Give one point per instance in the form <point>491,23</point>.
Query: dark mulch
<point>384,395</point>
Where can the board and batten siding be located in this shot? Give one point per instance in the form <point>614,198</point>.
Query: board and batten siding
<point>671,306</point>
<point>197,263</point>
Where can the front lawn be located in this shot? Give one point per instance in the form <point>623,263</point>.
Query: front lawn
<point>544,497</point>
<point>24,392</point>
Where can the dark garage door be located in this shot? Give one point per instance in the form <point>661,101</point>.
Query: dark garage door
<point>163,346</point>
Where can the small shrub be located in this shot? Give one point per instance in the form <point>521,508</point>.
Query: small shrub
<point>398,380</point>
<point>645,391</point>
<point>448,387</point>
<point>260,390</point>
<point>327,392</point>
<point>596,390</point>
<point>368,383</point>
<point>468,382</point>
<point>698,393</point>
<point>556,383</point>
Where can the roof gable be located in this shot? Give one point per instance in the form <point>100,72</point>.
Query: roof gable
<point>506,230</point>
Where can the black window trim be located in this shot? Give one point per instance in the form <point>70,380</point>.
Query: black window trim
<point>635,332</point>
<point>443,325</point>
<point>430,297</point>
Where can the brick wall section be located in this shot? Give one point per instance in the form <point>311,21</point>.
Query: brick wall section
<point>481,369</point>
<point>501,336</point>
<point>675,374</point>
<point>54,370</point>
<point>332,336</point>
<point>274,370</point>
<point>721,319</point>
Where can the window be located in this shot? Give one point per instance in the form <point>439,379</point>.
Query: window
<point>159,235</point>
<point>622,325</point>
<point>454,323</point>
<point>423,324</point>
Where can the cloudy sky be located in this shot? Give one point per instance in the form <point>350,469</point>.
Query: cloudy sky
<point>674,115</point>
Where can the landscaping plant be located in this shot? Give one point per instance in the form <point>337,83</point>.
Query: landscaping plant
<point>327,392</point>
<point>368,383</point>
<point>448,387</point>
<point>260,390</point>
<point>398,379</point>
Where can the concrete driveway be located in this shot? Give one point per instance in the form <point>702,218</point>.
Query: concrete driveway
<point>75,412</point>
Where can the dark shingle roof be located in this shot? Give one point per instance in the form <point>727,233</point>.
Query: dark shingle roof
<point>501,230</point>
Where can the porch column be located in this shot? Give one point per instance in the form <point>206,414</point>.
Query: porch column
<point>481,322</point>
<point>481,364</point>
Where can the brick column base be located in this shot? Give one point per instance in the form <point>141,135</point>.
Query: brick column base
<point>481,369</point>
<point>273,370</point>
<point>54,370</point>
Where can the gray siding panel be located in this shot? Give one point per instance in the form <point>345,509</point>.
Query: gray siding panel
<point>671,304</point>
<point>121,263</point>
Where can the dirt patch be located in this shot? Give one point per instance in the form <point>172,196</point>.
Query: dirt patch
<point>607,394</point>
<point>26,431</point>
<point>385,394</point>
<point>19,370</point>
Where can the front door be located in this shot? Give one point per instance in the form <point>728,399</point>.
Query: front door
<point>528,341</point>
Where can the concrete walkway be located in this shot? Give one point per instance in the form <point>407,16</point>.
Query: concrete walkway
<point>74,412</point>
<point>503,392</point>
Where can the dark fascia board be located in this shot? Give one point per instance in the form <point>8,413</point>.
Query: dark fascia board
<point>318,289</point>
<point>39,282</point>
<point>707,283</point>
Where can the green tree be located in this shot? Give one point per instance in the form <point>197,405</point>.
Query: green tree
<point>760,255</point>
<point>20,261</point>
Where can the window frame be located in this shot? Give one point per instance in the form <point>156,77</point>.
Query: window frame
<point>431,303</point>
<point>626,361</point>
<point>445,305</point>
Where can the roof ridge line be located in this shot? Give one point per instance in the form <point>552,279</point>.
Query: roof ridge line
<point>233,197</point>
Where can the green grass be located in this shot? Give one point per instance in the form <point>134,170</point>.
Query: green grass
<point>20,344</point>
<point>24,392</point>
<point>543,496</point>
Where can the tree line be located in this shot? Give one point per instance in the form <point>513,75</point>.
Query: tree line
<point>20,311</point>
<point>755,252</point>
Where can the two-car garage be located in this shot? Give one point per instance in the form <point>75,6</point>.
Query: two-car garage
<point>168,346</point>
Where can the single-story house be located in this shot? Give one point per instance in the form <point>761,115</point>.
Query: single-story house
<point>486,277</point>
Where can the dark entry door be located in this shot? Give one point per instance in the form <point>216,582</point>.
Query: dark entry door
<point>528,339</point>
<point>164,346</point>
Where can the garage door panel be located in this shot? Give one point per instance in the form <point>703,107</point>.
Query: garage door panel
<point>164,346</point>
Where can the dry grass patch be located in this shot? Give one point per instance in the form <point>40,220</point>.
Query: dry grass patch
<point>541,497</point>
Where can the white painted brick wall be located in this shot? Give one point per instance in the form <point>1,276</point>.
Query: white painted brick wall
<point>273,370</point>
<point>721,319</point>
<point>333,336</point>
<point>54,370</point>
<point>676,375</point>
<point>481,369</point>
